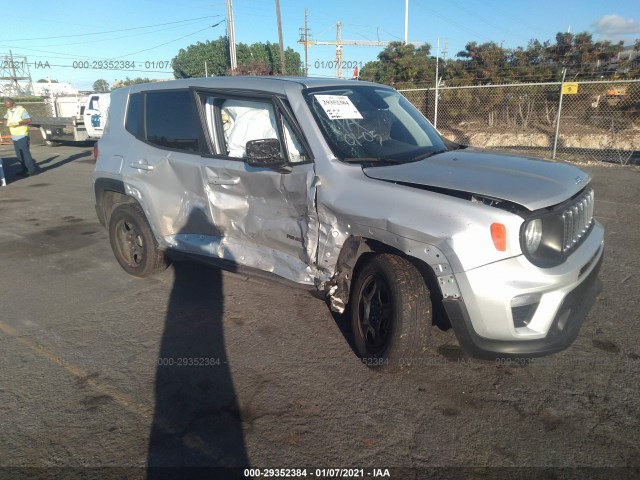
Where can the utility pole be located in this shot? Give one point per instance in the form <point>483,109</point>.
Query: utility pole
<point>435,106</point>
<point>231,37</point>
<point>14,69</point>
<point>406,21</point>
<point>306,44</point>
<point>339,48</point>
<point>304,39</point>
<point>282,68</point>
<point>555,138</point>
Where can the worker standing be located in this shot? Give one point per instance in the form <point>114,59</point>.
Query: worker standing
<point>17,119</point>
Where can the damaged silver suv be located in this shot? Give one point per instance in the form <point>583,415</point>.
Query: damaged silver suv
<point>345,187</point>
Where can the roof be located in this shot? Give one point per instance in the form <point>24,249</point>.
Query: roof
<point>265,83</point>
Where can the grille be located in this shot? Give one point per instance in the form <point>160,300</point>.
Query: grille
<point>577,219</point>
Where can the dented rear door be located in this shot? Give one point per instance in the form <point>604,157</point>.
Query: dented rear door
<point>162,169</point>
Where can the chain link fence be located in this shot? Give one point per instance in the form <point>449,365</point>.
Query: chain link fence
<point>593,120</point>
<point>600,121</point>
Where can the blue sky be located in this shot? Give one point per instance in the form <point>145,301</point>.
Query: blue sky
<point>146,31</point>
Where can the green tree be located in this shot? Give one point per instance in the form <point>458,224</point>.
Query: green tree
<point>580,55</point>
<point>401,65</point>
<point>255,59</point>
<point>130,81</point>
<point>560,51</point>
<point>489,61</point>
<point>190,62</point>
<point>44,80</point>
<point>101,85</point>
<point>264,59</point>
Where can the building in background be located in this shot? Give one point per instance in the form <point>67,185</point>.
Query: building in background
<point>37,89</point>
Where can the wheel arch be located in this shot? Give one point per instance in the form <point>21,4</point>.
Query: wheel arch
<point>109,193</point>
<point>355,252</point>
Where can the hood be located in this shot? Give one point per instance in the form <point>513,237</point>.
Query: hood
<point>531,182</point>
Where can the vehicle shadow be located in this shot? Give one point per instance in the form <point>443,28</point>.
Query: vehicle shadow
<point>64,161</point>
<point>197,424</point>
<point>12,165</point>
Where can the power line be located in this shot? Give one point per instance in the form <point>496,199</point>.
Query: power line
<point>487,21</point>
<point>84,42</point>
<point>62,55</point>
<point>459,25</point>
<point>109,31</point>
<point>74,56</point>
<point>167,43</point>
<point>378,29</point>
<point>518,19</point>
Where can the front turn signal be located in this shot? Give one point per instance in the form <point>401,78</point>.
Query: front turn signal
<point>499,236</point>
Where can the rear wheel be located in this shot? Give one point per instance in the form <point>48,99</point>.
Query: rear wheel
<point>133,243</point>
<point>390,313</point>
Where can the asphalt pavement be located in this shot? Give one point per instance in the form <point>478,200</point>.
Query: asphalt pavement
<point>213,368</point>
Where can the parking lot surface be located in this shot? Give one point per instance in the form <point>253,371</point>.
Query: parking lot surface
<point>216,368</point>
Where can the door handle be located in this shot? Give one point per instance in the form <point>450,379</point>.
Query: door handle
<point>141,166</point>
<point>223,181</point>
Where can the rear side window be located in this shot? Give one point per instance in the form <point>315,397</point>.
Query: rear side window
<point>167,119</point>
<point>135,115</point>
<point>172,120</point>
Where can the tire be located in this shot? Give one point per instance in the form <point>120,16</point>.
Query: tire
<point>133,243</point>
<point>391,313</point>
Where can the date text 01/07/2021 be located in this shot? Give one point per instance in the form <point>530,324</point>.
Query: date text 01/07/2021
<point>317,472</point>
<point>330,64</point>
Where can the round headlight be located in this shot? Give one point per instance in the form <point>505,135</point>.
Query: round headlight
<point>533,235</point>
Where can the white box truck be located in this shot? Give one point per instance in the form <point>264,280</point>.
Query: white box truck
<point>74,118</point>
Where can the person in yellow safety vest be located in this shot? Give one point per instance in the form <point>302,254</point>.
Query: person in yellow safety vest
<point>18,119</point>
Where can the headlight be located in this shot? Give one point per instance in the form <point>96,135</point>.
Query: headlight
<point>549,236</point>
<point>533,235</point>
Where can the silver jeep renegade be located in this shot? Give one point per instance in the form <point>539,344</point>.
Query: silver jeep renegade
<point>346,188</point>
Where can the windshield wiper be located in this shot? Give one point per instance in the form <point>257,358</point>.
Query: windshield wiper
<point>371,160</point>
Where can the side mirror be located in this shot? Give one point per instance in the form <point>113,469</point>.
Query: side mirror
<point>265,153</point>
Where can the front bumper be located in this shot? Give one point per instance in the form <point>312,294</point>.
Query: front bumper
<point>483,320</point>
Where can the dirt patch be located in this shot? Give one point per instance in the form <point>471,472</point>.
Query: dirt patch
<point>53,240</point>
<point>585,139</point>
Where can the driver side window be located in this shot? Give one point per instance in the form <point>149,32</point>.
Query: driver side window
<point>244,120</point>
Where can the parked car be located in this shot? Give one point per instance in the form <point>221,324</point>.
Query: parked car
<point>345,187</point>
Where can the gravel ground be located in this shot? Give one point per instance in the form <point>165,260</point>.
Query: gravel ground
<point>93,363</point>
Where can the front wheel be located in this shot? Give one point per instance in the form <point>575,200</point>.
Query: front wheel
<point>390,312</point>
<point>133,243</point>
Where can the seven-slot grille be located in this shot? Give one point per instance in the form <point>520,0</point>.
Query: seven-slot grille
<point>577,220</point>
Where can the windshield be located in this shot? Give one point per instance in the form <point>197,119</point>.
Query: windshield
<point>363,121</point>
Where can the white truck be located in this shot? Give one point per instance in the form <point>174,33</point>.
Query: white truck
<point>74,118</point>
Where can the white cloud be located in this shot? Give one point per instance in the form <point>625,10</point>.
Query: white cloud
<point>616,26</point>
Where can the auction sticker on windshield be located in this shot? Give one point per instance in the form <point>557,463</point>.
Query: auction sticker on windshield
<point>338,107</point>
